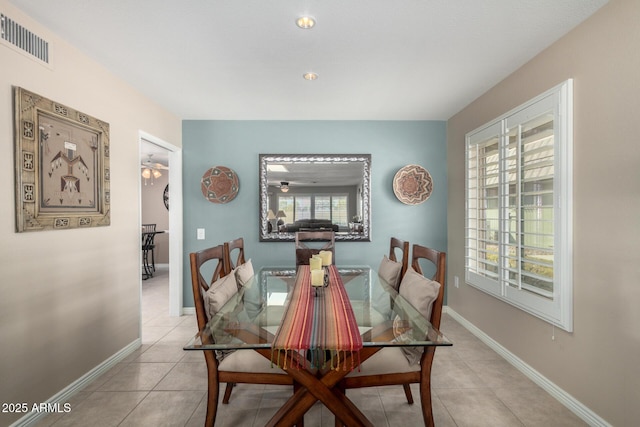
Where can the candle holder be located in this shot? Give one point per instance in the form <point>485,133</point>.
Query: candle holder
<point>319,280</point>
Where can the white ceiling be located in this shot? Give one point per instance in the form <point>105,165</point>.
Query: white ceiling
<point>310,174</point>
<point>152,155</point>
<point>377,59</point>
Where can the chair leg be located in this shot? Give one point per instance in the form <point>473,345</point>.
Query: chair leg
<point>153,259</point>
<point>213,389</point>
<point>300,422</point>
<point>338,422</point>
<point>425,401</point>
<point>407,392</point>
<point>425,386</point>
<point>146,270</point>
<point>227,392</point>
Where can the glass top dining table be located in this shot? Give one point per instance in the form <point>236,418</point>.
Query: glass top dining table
<point>259,306</point>
<point>278,300</point>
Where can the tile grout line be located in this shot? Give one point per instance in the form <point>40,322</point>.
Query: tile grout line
<point>134,408</point>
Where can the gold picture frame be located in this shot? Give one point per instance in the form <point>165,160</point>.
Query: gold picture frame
<point>62,166</point>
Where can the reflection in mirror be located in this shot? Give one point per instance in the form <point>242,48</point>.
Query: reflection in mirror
<point>315,192</point>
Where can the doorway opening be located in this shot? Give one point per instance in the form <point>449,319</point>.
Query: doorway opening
<point>164,164</point>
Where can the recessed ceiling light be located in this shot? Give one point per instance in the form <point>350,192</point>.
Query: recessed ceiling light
<point>310,76</point>
<point>305,22</point>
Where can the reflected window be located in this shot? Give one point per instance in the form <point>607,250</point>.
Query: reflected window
<point>334,208</point>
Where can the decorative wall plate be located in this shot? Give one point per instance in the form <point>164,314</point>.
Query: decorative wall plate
<point>220,184</point>
<point>165,197</point>
<point>412,185</point>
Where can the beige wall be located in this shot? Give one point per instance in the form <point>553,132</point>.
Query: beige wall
<point>599,363</point>
<point>70,298</point>
<point>154,212</point>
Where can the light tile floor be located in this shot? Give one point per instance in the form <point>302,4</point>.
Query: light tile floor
<point>162,385</point>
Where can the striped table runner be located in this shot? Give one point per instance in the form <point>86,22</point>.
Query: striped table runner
<point>321,328</point>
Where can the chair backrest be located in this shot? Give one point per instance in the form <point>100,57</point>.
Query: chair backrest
<point>148,236</point>
<point>229,247</point>
<point>148,240</point>
<point>439,259</point>
<point>402,246</point>
<point>304,252</point>
<point>199,284</point>
<point>148,228</point>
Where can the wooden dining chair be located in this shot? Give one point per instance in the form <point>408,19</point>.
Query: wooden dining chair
<point>246,366</point>
<point>304,240</point>
<point>402,246</point>
<point>389,366</point>
<point>231,248</point>
<point>439,261</point>
<point>149,246</point>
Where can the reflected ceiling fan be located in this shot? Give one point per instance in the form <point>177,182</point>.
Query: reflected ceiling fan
<point>151,170</point>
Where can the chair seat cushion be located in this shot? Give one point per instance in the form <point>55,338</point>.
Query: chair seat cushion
<point>389,360</point>
<point>248,361</point>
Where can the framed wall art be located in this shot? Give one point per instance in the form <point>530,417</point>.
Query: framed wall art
<point>62,166</point>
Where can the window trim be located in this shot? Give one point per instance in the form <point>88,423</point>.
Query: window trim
<point>559,310</point>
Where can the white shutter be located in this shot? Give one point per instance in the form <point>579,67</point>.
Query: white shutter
<point>518,207</point>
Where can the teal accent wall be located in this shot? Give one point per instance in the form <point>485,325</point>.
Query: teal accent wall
<point>237,144</point>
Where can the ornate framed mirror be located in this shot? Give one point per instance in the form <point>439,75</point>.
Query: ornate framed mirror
<point>300,192</point>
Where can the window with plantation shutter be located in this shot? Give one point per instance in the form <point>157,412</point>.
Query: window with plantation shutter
<point>518,207</point>
<point>339,208</point>
<point>302,207</point>
<point>323,207</point>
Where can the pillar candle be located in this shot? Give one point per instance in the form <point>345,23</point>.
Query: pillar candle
<point>317,277</point>
<point>315,262</point>
<point>326,257</point>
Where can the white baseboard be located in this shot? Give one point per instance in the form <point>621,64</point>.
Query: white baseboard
<point>65,394</point>
<point>188,310</point>
<point>575,406</point>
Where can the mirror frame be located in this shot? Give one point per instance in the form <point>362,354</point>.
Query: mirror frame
<point>265,159</point>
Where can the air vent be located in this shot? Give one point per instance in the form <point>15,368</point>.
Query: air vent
<point>23,39</point>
